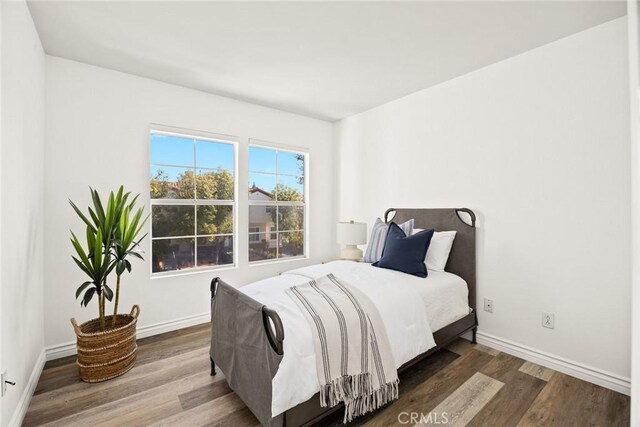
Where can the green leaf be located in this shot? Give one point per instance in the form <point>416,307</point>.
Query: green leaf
<point>140,240</point>
<point>133,201</point>
<point>97,254</point>
<point>122,202</point>
<point>109,269</point>
<point>95,218</point>
<point>97,203</point>
<point>108,293</point>
<point>91,239</point>
<point>87,296</point>
<point>120,267</point>
<point>124,217</point>
<point>136,255</point>
<point>87,270</point>
<point>110,215</point>
<point>135,226</point>
<point>82,288</point>
<point>79,250</point>
<point>82,216</point>
<point>119,195</point>
<point>128,264</point>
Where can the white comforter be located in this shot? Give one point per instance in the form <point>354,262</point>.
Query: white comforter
<point>400,306</point>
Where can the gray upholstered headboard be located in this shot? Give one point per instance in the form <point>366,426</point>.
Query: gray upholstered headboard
<point>462,260</point>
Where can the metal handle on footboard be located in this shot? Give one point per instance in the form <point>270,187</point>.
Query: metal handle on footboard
<point>269,317</point>
<point>275,338</point>
<point>214,286</point>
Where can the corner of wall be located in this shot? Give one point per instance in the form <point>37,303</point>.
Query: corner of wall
<point>27,393</point>
<point>22,80</point>
<point>633,22</point>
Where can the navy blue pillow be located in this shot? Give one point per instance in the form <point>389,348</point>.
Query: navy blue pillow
<point>405,253</point>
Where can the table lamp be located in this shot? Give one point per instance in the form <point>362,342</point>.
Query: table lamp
<point>352,234</point>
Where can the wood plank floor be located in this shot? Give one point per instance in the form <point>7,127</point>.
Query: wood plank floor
<point>463,385</point>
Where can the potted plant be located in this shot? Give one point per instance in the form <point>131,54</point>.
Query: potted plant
<point>107,344</point>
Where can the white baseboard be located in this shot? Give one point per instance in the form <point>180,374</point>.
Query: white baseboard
<point>593,375</point>
<point>172,325</point>
<point>27,393</point>
<point>69,348</point>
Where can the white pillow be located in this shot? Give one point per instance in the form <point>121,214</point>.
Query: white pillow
<point>379,237</point>
<point>439,249</point>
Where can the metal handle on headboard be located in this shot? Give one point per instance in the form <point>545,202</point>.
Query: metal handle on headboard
<point>386,214</point>
<point>469,212</point>
<point>275,338</point>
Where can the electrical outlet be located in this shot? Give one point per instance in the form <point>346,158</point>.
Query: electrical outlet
<point>548,320</point>
<point>488,305</point>
<point>3,379</point>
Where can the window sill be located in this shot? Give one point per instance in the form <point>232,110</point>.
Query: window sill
<point>192,271</point>
<point>277,261</point>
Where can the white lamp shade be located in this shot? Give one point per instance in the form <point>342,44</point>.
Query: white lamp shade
<point>352,233</point>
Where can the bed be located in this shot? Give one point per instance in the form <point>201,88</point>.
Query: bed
<point>248,335</point>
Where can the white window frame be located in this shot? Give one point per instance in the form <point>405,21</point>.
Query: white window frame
<point>202,136</point>
<point>305,203</point>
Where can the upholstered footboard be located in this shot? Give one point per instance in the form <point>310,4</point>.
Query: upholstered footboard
<point>246,344</point>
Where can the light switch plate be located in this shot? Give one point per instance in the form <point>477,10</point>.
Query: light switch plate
<point>3,379</point>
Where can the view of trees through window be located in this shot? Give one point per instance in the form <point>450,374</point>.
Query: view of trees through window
<point>276,203</point>
<point>192,202</point>
<point>192,188</point>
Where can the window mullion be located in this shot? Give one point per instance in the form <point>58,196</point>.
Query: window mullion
<point>172,202</point>
<point>173,237</point>
<point>195,233</point>
<point>195,207</point>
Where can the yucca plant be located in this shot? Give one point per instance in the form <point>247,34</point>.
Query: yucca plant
<point>125,245</point>
<point>97,264</point>
<point>112,237</point>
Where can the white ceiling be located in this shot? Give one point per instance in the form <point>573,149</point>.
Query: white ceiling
<point>327,60</point>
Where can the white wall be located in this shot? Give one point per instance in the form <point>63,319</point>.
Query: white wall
<point>633,21</point>
<point>97,134</point>
<point>538,146</point>
<point>21,179</point>
<point>1,306</point>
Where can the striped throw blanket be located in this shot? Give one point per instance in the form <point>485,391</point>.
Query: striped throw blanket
<point>354,361</point>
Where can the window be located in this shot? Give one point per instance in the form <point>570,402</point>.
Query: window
<point>277,203</point>
<point>253,234</point>
<point>192,188</point>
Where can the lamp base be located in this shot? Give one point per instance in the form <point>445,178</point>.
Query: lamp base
<point>351,253</point>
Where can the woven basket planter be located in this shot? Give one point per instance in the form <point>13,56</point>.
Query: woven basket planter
<point>108,354</point>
